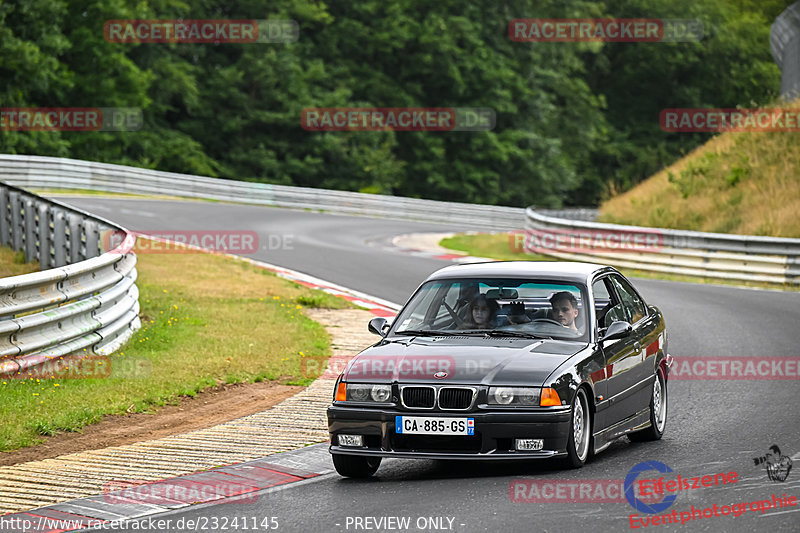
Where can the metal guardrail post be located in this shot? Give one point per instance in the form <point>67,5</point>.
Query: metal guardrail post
<point>59,237</point>
<point>91,232</point>
<point>31,227</point>
<point>74,225</point>
<point>45,258</point>
<point>16,220</point>
<point>5,226</point>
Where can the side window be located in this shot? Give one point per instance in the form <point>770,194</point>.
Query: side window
<point>603,303</point>
<point>634,306</point>
<point>600,290</point>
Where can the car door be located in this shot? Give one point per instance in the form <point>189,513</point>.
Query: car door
<point>602,297</point>
<point>623,357</point>
<point>641,363</point>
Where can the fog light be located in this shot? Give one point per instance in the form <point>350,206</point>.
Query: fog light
<point>529,444</point>
<point>351,440</point>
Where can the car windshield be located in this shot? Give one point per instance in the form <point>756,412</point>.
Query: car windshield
<point>496,307</point>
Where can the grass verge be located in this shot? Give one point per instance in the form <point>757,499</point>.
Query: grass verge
<point>206,320</point>
<point>13,263</point>
<point>499,246</point>
<point>490,245</point>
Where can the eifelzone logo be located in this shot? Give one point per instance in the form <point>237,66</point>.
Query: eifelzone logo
<point>638,503</point>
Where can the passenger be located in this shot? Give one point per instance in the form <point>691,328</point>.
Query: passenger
<point>482,313</point>
<point>565,308</point>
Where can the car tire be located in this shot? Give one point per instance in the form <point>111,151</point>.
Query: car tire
<point>580,431</point>
<point>356,466</point>
<point>658,412</point>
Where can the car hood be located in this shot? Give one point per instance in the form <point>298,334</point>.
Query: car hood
<point>468,360</point>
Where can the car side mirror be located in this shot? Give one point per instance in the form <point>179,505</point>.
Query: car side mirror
<point>617,330</point>
<point>377,326</point>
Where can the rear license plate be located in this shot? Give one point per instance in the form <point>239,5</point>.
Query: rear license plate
<point>430,425</point>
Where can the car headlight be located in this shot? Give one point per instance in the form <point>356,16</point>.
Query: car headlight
<point>362,392</point>
<point>514,396</point>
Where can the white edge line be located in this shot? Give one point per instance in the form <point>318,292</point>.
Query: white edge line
<point>765,515</point>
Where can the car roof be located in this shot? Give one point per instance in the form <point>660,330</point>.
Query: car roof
<point>555,270</point>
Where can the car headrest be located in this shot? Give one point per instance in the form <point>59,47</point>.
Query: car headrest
<point>505,294</point>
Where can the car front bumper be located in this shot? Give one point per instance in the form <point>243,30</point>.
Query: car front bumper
<point>495,432</point>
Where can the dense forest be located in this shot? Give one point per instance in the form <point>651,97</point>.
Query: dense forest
<point>574,121</point>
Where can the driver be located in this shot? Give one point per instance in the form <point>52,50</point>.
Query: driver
<point>482,313</point>
<point>565,308</point>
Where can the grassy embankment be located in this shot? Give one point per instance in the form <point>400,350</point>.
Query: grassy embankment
<point>746,183</point>
<point>206,320</point>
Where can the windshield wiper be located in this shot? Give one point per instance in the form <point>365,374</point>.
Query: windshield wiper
<point>470,332</point>
<point>428,332</point>
<point>520,334</point>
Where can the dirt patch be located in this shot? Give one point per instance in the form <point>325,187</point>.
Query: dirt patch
<point>209,408</point>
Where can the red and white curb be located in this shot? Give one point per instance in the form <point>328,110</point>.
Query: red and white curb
<point>377,306</point>
<point>242,483</point>
<point>427,245</point>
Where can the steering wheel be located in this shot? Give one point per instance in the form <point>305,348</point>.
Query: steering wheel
<point>459,322</point>
<point>549,320</point>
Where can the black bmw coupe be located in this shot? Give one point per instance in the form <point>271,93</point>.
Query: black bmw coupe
<point>505,360</point>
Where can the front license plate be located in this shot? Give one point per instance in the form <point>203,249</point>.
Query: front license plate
<point>430,425</point>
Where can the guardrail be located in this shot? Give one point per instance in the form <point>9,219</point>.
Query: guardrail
<point>693,253</point>
<point>49,172</point>
<point>84,302</point>
<point>710,255</point>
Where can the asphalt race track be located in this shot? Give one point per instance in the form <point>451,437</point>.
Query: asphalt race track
<point>714,426</point>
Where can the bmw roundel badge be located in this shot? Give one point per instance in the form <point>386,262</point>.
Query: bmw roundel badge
<point>440,375</point>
